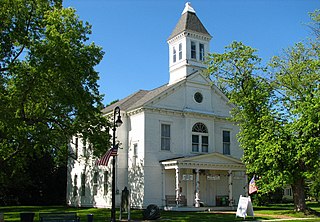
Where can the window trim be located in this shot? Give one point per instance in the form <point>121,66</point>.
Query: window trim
<point>228,143</point>
<point>76,142</point>
<point>134,154</point>
<point>75,185</point>
<point>201,52</point>
<point>198,97</point>
<point>95,183</point>
<point>105,182</point>
<point>200,130</point>
<point>83,184</point>
<point>180,51</point>
<point>165,138</point>
<point>193,51</point>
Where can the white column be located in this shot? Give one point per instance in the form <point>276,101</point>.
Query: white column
<point>177,186</point>
<point>197,198</point>
<point>163,187</point>
<point>230,188</point>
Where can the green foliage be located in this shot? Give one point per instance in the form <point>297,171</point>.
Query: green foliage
<point>277,109</point>
<point>48,84</point>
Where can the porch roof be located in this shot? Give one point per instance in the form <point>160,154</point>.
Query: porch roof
<point>210,161</point>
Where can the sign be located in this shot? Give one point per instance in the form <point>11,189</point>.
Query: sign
<point>187,177</point>
<point>244,207</point>
<point>213,177</point>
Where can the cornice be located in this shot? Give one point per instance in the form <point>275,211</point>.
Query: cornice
<point>190,34</point>
<point>203,166</point>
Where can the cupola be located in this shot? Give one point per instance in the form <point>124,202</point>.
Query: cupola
<point>188,45</point>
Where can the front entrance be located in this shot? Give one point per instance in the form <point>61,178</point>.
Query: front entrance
<point>212,185</point>
<point>201,184</point>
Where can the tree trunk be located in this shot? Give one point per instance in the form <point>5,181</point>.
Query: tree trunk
<point>299,196</point>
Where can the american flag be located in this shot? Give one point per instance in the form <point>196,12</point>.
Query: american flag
<point>252,186</point>
<point>103,161</point>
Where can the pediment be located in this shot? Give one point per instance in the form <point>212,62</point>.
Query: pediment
<point>199,78</point>
<point>212,158</point>
<point>205,161</point>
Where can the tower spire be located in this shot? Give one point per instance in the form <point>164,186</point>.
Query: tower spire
<point>188,8</point>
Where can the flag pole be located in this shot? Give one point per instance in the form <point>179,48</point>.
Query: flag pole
<point>116,123</point>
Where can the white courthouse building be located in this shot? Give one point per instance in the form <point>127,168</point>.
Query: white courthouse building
<point>177,146</point>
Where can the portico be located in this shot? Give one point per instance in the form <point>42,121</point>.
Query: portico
<point>204,180</point>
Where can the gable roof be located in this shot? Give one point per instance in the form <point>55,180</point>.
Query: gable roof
<point>136,99</point>
<point>142,97</point>
<point>189,22</point>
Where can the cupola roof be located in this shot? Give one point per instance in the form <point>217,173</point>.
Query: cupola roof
<point>189,22</point>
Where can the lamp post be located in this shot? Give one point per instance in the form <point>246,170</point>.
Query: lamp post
<point>116,123</point>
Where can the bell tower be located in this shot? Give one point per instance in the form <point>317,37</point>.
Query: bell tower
<point>188,45</point>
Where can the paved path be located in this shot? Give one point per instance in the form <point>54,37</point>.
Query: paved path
<point>285,219</point>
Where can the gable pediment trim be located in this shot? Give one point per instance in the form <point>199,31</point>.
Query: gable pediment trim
<point>212,161</point>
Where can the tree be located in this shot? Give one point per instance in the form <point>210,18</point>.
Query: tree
<point>277,110</point>
<point>48,84</point>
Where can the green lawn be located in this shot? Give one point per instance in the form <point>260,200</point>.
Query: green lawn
<point>261,213</point>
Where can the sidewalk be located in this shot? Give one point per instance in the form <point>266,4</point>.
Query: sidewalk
<point>285,219</point>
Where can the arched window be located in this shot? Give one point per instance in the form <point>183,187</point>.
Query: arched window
<point>199,128</point>
<point>200,138</point>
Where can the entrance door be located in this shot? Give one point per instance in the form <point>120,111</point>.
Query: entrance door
<point>207,190</point>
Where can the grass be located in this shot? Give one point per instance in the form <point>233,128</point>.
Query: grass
<point>12,213</point>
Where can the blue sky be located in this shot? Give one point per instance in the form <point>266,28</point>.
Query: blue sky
<point>133,34</point>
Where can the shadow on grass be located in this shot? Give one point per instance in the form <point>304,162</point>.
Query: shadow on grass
<point>262,213</point>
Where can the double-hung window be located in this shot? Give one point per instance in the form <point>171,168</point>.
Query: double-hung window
<point>195,143</point>
<point>135,154</point>
<point>75,185</point>
<point>174,54</point>
<point>76,144</point>
<point>193,50</point>
<point>180,51</point>
<point>105,182</point>
<point>84,148</point>
<point>95,183</point>
<point>201,52</point>
<point>83,184</point>
<point>165,137</point>
<point>226,142</point>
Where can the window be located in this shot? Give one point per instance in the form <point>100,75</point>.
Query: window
<point>84,148</point>
<point>83,184</point>
<point>75,185</point>
<point>199,128</point>
<point>135,154</point>
<point>193,50</point>
<point>180,51</point>
<point>195,143</point>
<point>174,54</point>
<point>90,147</point>
<point>105,183</point>
<point>205,144</point>
<point>165,137</point>
<point>226,142</point>
<point>288,192</point>
<point>201,52</point>
<point>76,146</point>
<point>95,183</point>
<point>198,97</point>
<point>200,138</point>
